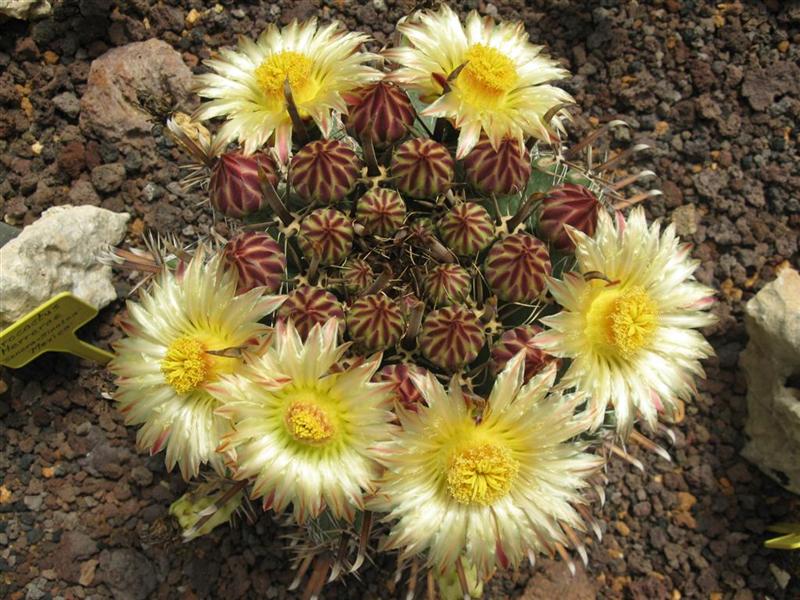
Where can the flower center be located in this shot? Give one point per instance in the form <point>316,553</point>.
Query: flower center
<point>622,321</point>
<point>488,75</point>
<point>291,65</point>
<point>186,365</point>
<point>309,423</point>
<point>480,473</point>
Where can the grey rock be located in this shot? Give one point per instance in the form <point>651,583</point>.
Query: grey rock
<point>142,476</point>
<point>68,104</point>
<point>108,178</point>
<point>128,573</point>
<point>710,183</point>
<point>58,253</point>
<point>36,589</point>
<point>106,460</point>
<point>33,503</point>
<point>772,356</point>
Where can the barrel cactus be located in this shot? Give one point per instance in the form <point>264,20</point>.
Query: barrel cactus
<point>442,252</point>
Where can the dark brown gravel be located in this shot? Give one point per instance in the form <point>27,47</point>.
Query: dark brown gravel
<point>714,88</point>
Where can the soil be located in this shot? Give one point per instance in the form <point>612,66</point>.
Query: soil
<point>712,88</point>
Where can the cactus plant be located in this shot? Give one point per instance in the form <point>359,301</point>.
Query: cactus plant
<point>404,270</point>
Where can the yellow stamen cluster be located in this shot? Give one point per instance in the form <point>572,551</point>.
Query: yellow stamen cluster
<point>632,320</point>
<point>480,473</point>
<point>309,423</point>
<point>488,75</point>
<point>186,365</point>
<point>279,67</point>
<point>620,322</point>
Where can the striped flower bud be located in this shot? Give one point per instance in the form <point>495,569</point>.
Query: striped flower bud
<point>571,204</point>
<point>357,275</point>
<point>502,171</point>
<point>451,337</point>
<point>324,171</point>
<point>405,392</point>
<point>258,260</point>
<point>466,229</point>
<point>381,211</point>
<point>422,168</point>
<point>517,268</point>
<point>382,111</point>
<point>327,234</point>
<point>307,306</point>
<point>375,322</point>
<point>446,284</point>
<point>513,341</point>
<point>235,188</point>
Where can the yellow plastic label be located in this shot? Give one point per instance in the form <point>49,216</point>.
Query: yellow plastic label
<point>789,541</point>
<point>50,328</point>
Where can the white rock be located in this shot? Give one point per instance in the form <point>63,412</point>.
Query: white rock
<point>25,9</point>
<point>772,356</point>
<point>58,253</point>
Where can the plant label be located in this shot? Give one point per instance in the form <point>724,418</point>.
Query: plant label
<point>50,328</point>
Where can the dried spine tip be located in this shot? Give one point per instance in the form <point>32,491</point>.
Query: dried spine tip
<point>375,322</point>
<point>258,260</point>
<point>326,234</point>
<point>235,188</point>
<point>324,171</point>
<point>422,168</point>
<point>466,229</point>
<point>307,306</point>
<point>451,337</point>
<point>499,171</point>
<point>517,268</point>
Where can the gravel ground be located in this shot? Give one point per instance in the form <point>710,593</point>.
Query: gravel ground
<point>713,88</point>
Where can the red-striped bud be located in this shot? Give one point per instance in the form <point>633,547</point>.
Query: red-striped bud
<point>258,260</point>
<point>382,111</point>
<point>571,204</point>
<point>324,171</point>
<point>235,187</point>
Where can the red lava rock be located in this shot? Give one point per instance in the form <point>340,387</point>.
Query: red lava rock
<point>93,158</point>
<point>761,86</point>
<point>73,547</point>
<point>150,70</point>
<point>82,192</point>
<point>554,580</point>
<point>72,158</point>
<point>26,49</point>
